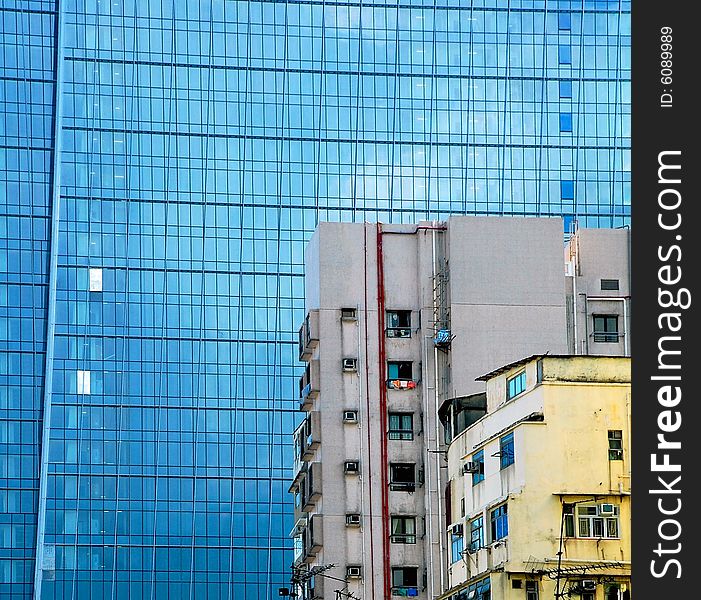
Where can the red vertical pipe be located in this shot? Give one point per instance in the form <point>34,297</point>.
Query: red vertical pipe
<point>383,413</point>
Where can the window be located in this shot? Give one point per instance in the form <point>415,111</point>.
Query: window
<point>83,382</point>
<point>399,370</point>
<point>476,534</point>
<point>478,476</point>
<point>480,590</point>
<point>595,521</point>
<point>506,450</point>
<point>565,89</point>
<point>95,280</point>
<point>568,510</point>
<point>615,444</point>
<point>405,580</point>
<point>605,328</point>
<point>456,545</point>
<point>564,21</point>
<point>403,530</point>
<point>616,591</point>
<point>499,522</point>
<point>398,323</point>
<point>610,284</point>
<point>566,123</point>
<point>515,385</point>
<point>564,55</point>
<point>531,590</point>
<point>567,189</point>
<point>401,426</point>
<point>402,477</point>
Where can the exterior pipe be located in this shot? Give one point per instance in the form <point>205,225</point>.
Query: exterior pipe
<point>429,481</point>
<point>383,413</point>
<point>586,323</point>
<point>436,402</point>
<point>360,433</point>
<point>573,275</point>
<point>367,406</point>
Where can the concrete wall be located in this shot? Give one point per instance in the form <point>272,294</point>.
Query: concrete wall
<point>507,293</point>
<point>600,254</point>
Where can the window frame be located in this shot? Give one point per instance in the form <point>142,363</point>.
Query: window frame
<point>573,522</point>
<point>566,122</point>
<point>403,537</point>
<point>402,323</point>
<point>481,590</point>
<point>605,335</point>
<point>531,589</point>
<point>398,363</point>
<point>476,534</point>
<point>400,433</point>
<point>519,380</point>
<point>457,547</point>
<point>402,486</point>
<point>615,453</point>
<point>403,585</point>
<point>499,518</point>
<point>507,452</point>
<point>478,457</point>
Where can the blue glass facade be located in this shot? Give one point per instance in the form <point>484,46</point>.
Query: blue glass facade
<point>198,144</point>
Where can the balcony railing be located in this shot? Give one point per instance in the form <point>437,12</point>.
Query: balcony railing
<point>308,336</point>
<point>405,591</point>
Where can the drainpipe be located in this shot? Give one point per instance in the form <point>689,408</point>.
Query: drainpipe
<point>383,412</point>
<point>367,416</point>
<point>436,402</point>
<point>429,480</point>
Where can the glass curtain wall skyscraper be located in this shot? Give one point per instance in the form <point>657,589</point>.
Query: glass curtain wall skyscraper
<point>161,165</point>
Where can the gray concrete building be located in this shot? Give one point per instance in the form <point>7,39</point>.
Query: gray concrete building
<point>400,321</point>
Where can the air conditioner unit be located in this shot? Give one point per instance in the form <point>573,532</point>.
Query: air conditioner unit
<point>588,585</point>
<point>456,529</point>
<point>351,466</point>
<point>350,364</point>
<point>606,510</point>
<point>471,467</point>
<point>352,519</point>
<point>350,416</point>
<point>349,314</point>
<point>354,572</point>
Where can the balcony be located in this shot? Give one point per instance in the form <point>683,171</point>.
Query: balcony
<point>313,480</point>
<point>310,488</point>
<point>315,533</point>
<point>311,432</point>
<point>315,588</point>
<point>308,337</point>
<point>313,538</point>
<point>309,385</point>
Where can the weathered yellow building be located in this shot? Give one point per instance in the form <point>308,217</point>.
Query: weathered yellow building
<point>539,492</point>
